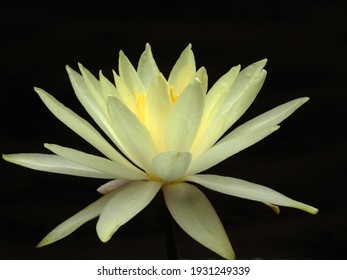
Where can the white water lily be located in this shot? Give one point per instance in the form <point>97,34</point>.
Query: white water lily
<point>162,134</point>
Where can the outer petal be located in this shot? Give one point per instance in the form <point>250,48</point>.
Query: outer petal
<point>80,126</point>
<point>225,149</point>
<point>248,190</point>
<point>269,118</point>
<point>240,97</point>
<point>183,71</point>
<point>55,164</point>
<point>94,102</point>
<point>185,118</point>
<point>124,205</point>
<point>147,68</point>
<point>196,216</point>
<point>104,165</point>
<point>73,223</point>
<point>133,134</point>
<point>171,165</point>
<point>112,185</point>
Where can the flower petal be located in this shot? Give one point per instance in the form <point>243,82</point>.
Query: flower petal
<point>269,118</point>
<point>127,201</point>
<point>201,75</point>
<point>147,68</point>
<point>54,164</point>
<point>196,216</point>
<point>112,185</point>
<point>183,71</point>
<point>170,166</point>
<point>95,104</point>
<point>129,75</point>
<point>157,109</point>
<point>77,220</point>
<point>225,149</point>
<point>127,96</point>
<point>185,118</point>
<point>104,165</point>
<point>80,126</point>
<point>248,190</point>
<point>132,133</point>
<point>242,94</point>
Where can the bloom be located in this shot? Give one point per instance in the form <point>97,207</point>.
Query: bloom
<point>163,133</point>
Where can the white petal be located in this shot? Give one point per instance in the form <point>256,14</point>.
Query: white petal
<point>213,101</point>
<point>77,220</point>
<point>158,106</point>
<point>80,126</point>
<point>224,149</point>
<point>107,88</point>
<point>185,118</point>
<point>112,185</point>
<point>201,75</point>
<point>269,118</point>
<point>127,96</point>
<point>248,190</point>
<point>183,71</point>
<point>196,216</point>
<point>95,105</point>
<point>54,164</point>
<point>171,165</point>
<point>128,201</point>
<point>132,134</point>
<point>240,97</point>
<point>104,165</point>
<point>147,68</point>
<point>129,75</point>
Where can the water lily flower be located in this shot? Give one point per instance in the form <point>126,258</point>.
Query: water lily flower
<point>162,134</point>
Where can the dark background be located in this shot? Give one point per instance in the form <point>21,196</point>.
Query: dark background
<point>305,43</point>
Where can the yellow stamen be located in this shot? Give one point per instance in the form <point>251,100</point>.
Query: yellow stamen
<point>140,105</point>
<point>173,96</point>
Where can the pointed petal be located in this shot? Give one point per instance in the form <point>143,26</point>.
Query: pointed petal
<point>218,93</point>
<point>147,68</point>
<point>77,220</point>
<point>127,201</point>
<point>98,113</point>
<point>225,149</point>
<point>183,71</point>
<point>129,75</point>
<point>132,134</point>
<point>269,118</point>
<point>170,166</point>
<point>107,88</point>
<point>93,86</point>
<point>80,126</point>
<point>196,216</point>
<point>201,74</point>
<point>185,118</point>
<point>127,96</point>
<point>104,165</point>
<point>158,106</point>
<point>248,190</point>
<point>54,164</point>
<point>213,101</point>
<point>240,97</point>
<point>112,185</point>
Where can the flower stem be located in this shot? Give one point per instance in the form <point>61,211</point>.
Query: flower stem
<point>169,231</point>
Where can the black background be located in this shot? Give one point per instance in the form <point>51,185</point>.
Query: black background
<point>305,43</point>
